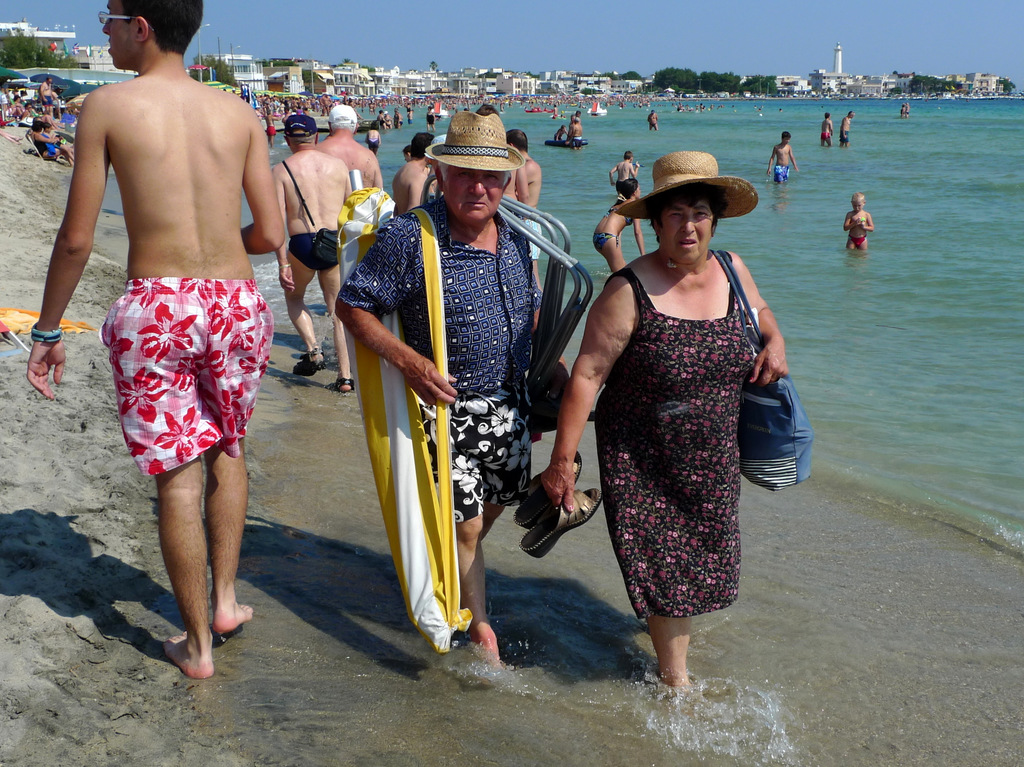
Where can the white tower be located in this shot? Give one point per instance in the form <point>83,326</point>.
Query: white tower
<point>838,64</point>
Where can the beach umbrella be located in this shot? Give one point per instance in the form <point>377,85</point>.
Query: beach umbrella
<point>10,74</point>
<point>58,81</point>
<point>418,515</point>
<point>76,88</point>
<point>77,101</point>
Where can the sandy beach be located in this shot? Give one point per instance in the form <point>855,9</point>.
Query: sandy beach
<point>821,662</point>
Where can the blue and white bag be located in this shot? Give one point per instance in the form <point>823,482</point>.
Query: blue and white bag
<point>775,435</point>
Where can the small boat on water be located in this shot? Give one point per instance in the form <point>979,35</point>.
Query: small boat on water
<point>564,143</point>
<point>439,112</point>
<point>597,110</point>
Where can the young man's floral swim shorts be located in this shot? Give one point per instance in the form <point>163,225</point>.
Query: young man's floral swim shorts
<point>187,356</point>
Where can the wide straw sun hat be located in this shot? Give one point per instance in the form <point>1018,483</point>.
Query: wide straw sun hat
<point>682,168</point>
<point>477,142</point>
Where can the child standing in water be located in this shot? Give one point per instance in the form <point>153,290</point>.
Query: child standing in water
<point>858,223</point>
<point>782,157</point>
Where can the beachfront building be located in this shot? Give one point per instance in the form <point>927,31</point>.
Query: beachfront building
<point>464,83</point>
<point>824,82</point>
<point>387,82</point>
<point>283,79</point>
<point>317,77</point>
<point>94,57</point>
<point>245,69</point>
<point>60,39</point>
<point>593,81</point>
<point>982,84</point>
<point>870,86</point>
<point>792,85</point>
<point>626,87</point>
<point>902,81</point>
<point>352,79</point>
<point>516,84</point>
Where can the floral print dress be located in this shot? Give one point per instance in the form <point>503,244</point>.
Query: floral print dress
<point>666,437</point>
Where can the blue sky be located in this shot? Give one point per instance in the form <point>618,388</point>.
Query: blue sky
<point>742,36</point>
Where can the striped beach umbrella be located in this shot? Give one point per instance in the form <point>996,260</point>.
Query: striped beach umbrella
<point>418,513</point>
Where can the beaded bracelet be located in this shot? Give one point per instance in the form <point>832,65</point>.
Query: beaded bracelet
<point>46,336</point>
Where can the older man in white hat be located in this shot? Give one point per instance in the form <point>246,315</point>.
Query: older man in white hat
<point>490,297</point>
<point>341,143</point>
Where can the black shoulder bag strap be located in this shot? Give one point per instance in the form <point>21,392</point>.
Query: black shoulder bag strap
<point>302,199</point>
<point>750,325</point>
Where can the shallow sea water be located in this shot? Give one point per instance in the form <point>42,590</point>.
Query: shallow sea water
<point>879,619</point>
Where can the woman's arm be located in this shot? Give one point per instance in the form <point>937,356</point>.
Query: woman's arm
<point>610,324</point>
<point>638,233</point>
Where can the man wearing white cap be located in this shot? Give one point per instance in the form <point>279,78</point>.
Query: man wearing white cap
<point>490,298</point>
<point>343,122</point>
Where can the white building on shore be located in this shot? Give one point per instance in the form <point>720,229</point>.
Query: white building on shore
<point>60,39</point>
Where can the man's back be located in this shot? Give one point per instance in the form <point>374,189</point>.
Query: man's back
<point>342,144</point>
<point>323,181</point>
<point>182,153</point>
<point>624,170</point>
<point>534,177</point>
<point>407,187</point>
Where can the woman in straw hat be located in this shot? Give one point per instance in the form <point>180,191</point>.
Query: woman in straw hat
<point>667,339</point>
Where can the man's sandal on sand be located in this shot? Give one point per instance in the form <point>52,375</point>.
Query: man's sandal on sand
<point>342,386</point>
<point>310,363</point>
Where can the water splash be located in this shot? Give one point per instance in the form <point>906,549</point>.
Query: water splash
<point>722,718</point>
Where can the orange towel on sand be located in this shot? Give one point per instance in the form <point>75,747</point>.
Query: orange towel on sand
<point>22,320</point>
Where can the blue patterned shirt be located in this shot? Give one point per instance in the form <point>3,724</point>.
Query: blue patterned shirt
<point>489,299</point>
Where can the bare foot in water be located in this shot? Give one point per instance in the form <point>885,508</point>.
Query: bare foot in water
<point>193,662</point>
<point>485,643</point>
<point>227,620</point>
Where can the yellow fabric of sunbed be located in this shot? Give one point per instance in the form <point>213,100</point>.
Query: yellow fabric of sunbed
<point>22,320</point>
<point>418,513</point>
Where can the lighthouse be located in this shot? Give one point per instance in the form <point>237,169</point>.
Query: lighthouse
<point>838,64</point>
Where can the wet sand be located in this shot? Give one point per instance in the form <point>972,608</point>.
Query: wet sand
<point>861,637</point>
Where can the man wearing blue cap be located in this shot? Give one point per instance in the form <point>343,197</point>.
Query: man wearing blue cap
<point>311,188</point>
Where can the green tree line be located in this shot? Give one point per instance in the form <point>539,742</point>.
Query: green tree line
<point>689,81</point>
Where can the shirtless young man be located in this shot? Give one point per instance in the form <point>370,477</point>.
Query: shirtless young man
<point>623,170</point>
<point>782,157</point>
<point>343,122</point>
<point>826,130</point>
<point>407,186</point>
<point>191,336</point>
